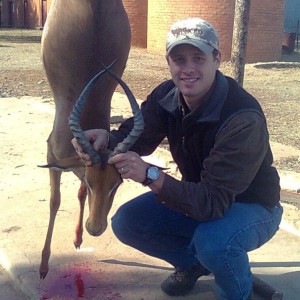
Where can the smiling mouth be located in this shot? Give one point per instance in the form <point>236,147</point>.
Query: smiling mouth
<point>189,80</point>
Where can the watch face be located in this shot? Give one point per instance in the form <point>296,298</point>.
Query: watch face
<point>153,173</point>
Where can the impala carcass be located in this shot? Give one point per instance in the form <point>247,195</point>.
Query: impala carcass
<point>79,39</point>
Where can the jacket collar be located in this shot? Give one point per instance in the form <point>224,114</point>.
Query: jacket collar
<point>211,110</point>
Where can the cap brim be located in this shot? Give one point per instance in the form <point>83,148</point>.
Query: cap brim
<point>204,47</point>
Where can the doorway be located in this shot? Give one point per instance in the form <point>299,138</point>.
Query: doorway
<point>26,23</point>
<point>44,12</point>
<point>11,12</point>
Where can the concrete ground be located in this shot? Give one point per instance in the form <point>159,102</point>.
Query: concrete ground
<point>103,268</point>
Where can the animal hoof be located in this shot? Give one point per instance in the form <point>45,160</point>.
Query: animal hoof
<point>43,275</point>
<point>77,245</point>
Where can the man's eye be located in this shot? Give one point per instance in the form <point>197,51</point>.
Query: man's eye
<point>178,60</point>
<point>199,59</point>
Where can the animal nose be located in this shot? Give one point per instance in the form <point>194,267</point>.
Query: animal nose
<point>94,231</point>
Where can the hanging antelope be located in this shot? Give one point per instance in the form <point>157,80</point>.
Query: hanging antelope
<point>79,39</point>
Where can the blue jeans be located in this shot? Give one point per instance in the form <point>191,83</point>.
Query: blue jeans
<point>220,245</point>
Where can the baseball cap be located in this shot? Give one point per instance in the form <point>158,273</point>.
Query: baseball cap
<point>193,31</point>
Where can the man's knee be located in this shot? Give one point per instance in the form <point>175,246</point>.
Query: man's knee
<point>210,248</point>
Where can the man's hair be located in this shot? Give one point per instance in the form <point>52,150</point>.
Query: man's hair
<point>215,53</point>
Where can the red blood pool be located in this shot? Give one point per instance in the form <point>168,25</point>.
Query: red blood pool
<point>78,282</point>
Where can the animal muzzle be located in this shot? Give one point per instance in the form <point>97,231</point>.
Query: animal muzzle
<point>95,228</point>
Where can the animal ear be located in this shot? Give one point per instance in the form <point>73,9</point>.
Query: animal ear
<point>66,164</point>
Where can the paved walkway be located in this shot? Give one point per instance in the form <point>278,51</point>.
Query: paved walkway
<point>104,268</point>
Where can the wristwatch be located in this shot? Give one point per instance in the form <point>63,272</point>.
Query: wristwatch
<point>152,174</point>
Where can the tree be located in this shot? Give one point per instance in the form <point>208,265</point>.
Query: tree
<point>239,39</point>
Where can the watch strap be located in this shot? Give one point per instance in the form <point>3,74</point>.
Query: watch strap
<point>148,180</point>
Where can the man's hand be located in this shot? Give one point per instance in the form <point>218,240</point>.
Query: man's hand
<point>130,166</point>
<point>99,139</point>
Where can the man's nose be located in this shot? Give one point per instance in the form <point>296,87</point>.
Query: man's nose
<point>188,68</point>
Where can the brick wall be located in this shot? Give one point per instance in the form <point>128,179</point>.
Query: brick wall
<point>33,14</point>
<point>137,11</point>
<point>265,28</point>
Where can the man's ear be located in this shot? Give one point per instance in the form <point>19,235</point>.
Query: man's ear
<point>66,164</point>
<point>218,58</point>
<point>167,59</point>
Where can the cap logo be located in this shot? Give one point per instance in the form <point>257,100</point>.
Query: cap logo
<point>186,31</point>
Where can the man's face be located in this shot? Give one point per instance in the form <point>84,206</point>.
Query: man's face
<point>193,72</point>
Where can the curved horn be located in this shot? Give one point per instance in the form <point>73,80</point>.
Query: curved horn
<point>75,117</point>
<point>137,117</point>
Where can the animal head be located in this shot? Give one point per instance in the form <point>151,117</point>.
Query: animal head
<point>101,180</point>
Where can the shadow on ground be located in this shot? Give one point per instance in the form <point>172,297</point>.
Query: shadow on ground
<point>20,36</point>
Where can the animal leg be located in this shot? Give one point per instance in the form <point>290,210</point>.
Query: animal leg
<point>54,206</point>
<point>79,227</point>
